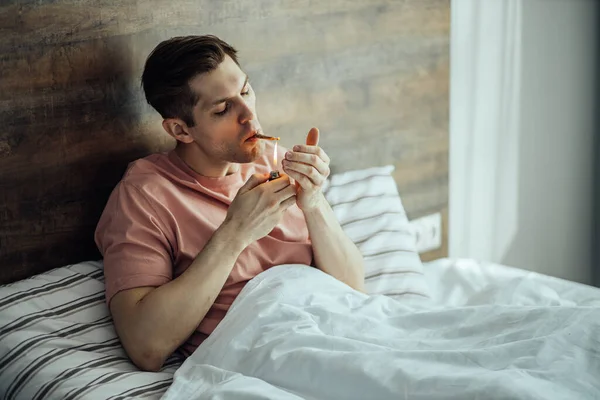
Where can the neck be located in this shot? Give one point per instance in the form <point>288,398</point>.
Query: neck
<point>202,163</point>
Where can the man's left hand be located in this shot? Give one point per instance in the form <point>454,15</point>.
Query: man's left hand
<point>308,165</point>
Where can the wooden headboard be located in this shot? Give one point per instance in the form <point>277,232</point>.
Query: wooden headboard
<point>371,74</point>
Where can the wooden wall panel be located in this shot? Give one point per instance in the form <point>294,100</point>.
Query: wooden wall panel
<point>372,74</point>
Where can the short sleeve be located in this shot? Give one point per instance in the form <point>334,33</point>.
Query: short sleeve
<point>132,240</point>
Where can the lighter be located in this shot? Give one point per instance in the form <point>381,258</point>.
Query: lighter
<point>275,173</point>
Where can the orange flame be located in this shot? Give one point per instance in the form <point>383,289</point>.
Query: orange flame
<point>275,156</point>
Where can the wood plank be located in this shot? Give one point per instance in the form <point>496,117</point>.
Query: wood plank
<point>262,40</point>
<point>82,20</point>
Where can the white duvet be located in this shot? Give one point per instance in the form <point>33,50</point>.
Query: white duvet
<point>296,333</point>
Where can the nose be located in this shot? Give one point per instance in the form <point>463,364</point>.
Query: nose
<point>247,114</point>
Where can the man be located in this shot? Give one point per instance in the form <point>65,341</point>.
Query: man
<point>184,231</point>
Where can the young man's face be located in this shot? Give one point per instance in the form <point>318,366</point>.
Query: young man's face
<point>225,115</point>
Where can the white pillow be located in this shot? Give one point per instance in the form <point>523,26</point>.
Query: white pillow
<point>367,205</point>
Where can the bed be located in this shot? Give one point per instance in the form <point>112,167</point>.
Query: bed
<point>373,76</point>
<point>466,329</point>
<point>58,340</point>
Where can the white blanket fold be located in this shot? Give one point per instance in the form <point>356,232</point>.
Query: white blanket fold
<point>297,333</point>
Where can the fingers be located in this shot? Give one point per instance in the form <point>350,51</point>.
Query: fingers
<point>306,181</point>
<point>286,193</point>
<point>312,139</point>
<point>252,182</point>
<point>278,184</point>
<point>316,150</point>
<point>287,203</point>
<point>303,172</point>
<point>309,159</point>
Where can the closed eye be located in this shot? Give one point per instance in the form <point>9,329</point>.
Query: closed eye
<point>220,113</point>
<point>228,104</point>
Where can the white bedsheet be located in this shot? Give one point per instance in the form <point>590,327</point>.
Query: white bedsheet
<point>468,282</point>
<point>296,333</point>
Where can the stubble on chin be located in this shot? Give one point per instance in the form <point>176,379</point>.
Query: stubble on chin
<point>257,151</point>
<point>250,155</point>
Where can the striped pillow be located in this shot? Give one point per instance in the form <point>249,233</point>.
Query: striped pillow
<point>367,205</point>
<point>57,341</point>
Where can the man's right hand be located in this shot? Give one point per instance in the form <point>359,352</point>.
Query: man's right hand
<point>259,205</point>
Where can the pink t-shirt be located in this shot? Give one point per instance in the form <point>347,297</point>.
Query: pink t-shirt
<point>162,213</point>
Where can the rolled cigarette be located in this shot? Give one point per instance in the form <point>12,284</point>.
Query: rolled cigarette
<point>258,135</point>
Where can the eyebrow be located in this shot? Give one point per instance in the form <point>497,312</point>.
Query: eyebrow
<point>219,101</point>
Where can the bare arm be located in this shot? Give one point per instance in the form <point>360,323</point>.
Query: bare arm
<point>334,252</point>
<point>153,322</point>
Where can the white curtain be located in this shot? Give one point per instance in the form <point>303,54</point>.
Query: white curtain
<point>484,125</point>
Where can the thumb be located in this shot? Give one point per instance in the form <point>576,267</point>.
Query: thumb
<point>312,139</point>
<point>252,182</point>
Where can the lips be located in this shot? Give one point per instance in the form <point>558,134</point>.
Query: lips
<point>252,136</point>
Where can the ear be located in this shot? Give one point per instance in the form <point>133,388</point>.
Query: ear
<point>177,129</point>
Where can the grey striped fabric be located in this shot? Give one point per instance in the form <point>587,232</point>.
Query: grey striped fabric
<point>57,341</point>
<point>367,205</point>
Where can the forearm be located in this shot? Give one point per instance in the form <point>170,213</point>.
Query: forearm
<point>169,314</point>
<point>335,254</point>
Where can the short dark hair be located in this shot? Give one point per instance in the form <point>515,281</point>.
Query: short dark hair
<point>170,67</point>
